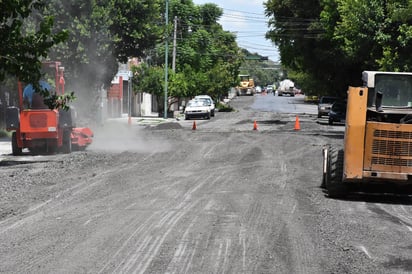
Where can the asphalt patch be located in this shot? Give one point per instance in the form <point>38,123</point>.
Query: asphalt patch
<point>168,126</point>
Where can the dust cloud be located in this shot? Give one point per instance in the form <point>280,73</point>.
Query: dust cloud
<point>119,137</point>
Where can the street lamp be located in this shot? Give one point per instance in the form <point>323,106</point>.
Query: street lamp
<point>166,57</point>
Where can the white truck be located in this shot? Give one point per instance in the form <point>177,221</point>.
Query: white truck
<point>286,87</point>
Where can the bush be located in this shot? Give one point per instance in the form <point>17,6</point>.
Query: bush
<point>224,107</point>
<point>4,133</point>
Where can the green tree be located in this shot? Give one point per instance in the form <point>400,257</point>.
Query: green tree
<point>22,48</point>
<point>149,79</point>
<point>207,57</point>
<point>327,44</point>
<point>102,34</point>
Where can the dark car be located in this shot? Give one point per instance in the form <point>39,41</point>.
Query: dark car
<point>337,113</point>
<point>324,105</point>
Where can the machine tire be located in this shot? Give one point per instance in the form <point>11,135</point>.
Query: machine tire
<point>67,142</point>
<point>16,150</point>
<point>333,181</point>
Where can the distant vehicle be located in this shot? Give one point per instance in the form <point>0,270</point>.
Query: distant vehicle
<point>209,101</point>
<point>269,88</point>
<point>337,113</point>
<point>286,87</point>
<point>246,87</point>
<point>258,89</point>
<point>197,109</point>
<point>325,104</point>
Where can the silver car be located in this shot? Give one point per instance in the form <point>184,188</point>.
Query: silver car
<point>325,104</point>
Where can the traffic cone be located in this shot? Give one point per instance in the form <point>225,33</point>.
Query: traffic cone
<point>297,124</point>
<point>255,126</point>
<point>194,125</point>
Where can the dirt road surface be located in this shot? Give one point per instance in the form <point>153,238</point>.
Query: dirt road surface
<point>223,198</point>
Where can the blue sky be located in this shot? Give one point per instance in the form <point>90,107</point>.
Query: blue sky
<point>247,19</point>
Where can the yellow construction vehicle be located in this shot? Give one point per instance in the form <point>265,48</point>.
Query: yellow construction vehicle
<point>246,87</point>
<point>377,148</point>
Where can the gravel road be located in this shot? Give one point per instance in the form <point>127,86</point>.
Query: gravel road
<point>223,198</point>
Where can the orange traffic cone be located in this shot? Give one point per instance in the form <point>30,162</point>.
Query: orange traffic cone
<point>297,124</point>
<point>255,125</point>
<point>194,125</point>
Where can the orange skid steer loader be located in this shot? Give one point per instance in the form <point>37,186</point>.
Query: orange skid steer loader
<point>376,154</point>
<point>42,130</point>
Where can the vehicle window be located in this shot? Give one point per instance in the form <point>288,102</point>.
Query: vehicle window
<point>396,90</point>
<point>206,101</point>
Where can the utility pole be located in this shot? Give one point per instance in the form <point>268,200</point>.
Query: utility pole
<point>166,57</point>
<point>174,46</point>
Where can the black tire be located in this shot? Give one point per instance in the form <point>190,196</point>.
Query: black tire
<point>16,150</point>
<point>330,122</point>
<point>67,142</point>
<point>51,148</point>
<point>319,115</point>
<point>334,174</point>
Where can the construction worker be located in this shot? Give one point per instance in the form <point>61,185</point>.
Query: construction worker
<point>34,99</point>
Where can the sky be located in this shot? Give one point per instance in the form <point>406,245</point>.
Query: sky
<point>246,18</point>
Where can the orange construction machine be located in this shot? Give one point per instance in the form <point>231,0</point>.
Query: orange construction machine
<point>377,149</point>
<point>40,129</point>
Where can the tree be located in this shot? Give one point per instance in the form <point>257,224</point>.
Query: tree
<point>136,26</point>
<point>149,79</point>
<point>329,43</point>
<point>101,34</point>
<point>22,48</point>
<point>207,59</point>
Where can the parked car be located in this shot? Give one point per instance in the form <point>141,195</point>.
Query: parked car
<point>209,101</point>
<point>324,105</point>
<point>337,113</point>
<point>197,109</point>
